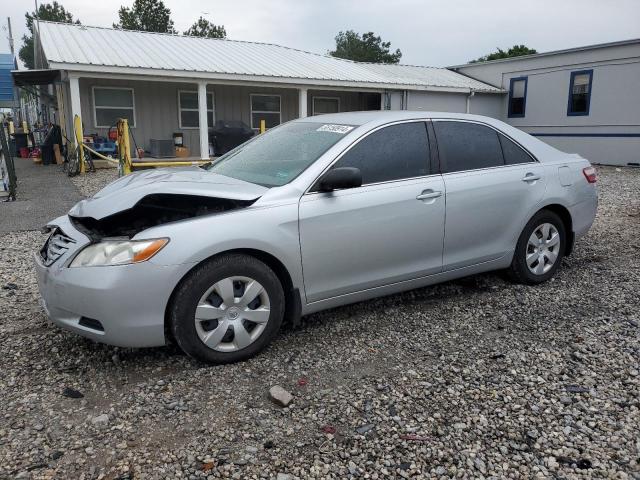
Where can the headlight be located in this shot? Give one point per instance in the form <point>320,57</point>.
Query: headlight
<point>118,252</point>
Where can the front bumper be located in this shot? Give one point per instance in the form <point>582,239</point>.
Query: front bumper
<point>128,301</point>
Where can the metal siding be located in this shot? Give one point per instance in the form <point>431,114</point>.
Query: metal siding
<point>438,102</point>
<point>156,107</point>
<point>7,63</point>
<point>614,103</point>
<point>83,45</point>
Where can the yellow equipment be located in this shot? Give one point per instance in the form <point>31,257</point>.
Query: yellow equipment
<point>125,163</point>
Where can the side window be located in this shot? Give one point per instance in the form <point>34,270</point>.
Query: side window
<point>517,97</point>
<point>513,154</point>
<point>467,146</point>
<point>392,153</point>
<point>580,92</point>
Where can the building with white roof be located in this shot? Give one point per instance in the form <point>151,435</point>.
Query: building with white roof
<point>166,84</point>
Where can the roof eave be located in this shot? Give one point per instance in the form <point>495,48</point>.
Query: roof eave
<point>549,53</point>
<point>105,71</point>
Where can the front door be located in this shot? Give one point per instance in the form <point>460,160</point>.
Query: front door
<point>388,230</point>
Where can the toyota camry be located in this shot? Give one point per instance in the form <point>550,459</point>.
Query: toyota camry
<point>313,214</point>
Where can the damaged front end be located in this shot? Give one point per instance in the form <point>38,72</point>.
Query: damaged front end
<point>153,210</point>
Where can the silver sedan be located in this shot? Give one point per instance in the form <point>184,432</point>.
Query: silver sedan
<point>316,213</point>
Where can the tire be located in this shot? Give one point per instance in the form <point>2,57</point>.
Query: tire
<point>232,337</point>
<point>526,266</point>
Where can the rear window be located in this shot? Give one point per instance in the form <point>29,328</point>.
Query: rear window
<point>467,146</point>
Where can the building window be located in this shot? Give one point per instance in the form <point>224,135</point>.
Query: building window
<point>188,109</point>
<point>580,92</point>
<point>517,97</point>
<point>110,104</point>
<point>267,108</point>
<point>322,105</point>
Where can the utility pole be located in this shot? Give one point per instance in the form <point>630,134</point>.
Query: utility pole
<point>10,36</point>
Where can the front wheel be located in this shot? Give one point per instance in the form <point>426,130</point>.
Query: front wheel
<point>539,250</point>
<point>228,309</point>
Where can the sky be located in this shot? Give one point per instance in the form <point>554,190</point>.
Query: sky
<point>428,32</point>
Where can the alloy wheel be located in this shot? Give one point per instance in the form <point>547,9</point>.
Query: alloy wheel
<point>232,314</point>
<point>542,249</point>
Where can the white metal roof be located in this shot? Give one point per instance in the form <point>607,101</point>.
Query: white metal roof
<point>97,49</point>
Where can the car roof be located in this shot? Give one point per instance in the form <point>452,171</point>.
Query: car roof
<point>385,116</point>
<point>372,119</point>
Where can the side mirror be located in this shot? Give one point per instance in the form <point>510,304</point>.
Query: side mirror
<point>340,178</point>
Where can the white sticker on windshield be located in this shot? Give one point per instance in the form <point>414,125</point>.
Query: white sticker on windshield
<point>341,129</point>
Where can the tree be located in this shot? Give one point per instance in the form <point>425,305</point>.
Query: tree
<point>147,16</point>
<point>204,28</point>
<point>365,48</point>
<point>515,51</point>
<point>53,12</point>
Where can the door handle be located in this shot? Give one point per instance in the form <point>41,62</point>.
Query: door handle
<point>429,194</point>
<point>530,177</point>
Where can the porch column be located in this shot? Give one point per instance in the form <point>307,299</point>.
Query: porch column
<point>74,93</point>
<point>202,115</point>
<point>302,103</point>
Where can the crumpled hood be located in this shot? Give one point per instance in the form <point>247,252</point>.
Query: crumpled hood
<point>125,192</point>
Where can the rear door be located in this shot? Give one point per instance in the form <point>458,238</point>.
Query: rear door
<point>491,183</point>
<point>388,230</point>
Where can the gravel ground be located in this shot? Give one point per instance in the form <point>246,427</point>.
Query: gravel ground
<point>473,378</point>
<point>91,182</point>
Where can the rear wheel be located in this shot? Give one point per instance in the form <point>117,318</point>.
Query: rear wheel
<point>228,309</point>
<point>539,250</point>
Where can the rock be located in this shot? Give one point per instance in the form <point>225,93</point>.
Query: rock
<point>365,428</point>
<point>280,396</point>
<point>480,465</point>
<point>268,444</point>
<point>252,450</point>
<point>283,476</point>
<point>56,455</point>
<point>566,400</point>
<point>576,389</point>
<point>10,286</point>
<point>353,468</point>
<point>583,464</point>
<point>100,420</point>
<point>71,393</point>
<point>38,426</point>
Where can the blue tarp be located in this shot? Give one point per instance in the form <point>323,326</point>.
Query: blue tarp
<point>7,63</point>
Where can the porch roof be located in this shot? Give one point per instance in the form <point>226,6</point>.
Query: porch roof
<point>97,49</point>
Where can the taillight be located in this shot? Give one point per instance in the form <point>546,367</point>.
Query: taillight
<point>590,174</point>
